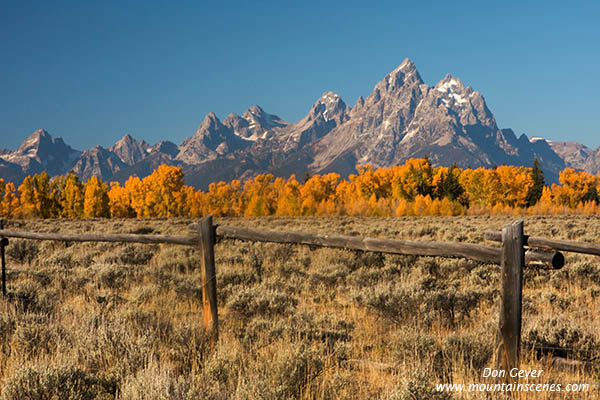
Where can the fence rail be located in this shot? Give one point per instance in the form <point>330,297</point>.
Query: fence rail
<point>556,244</point>
<point>96,237</point>
<point>477,252</point>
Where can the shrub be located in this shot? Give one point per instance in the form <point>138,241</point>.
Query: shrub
<point>418,386</point>
<point>396,301</point>
<point>22,250</point>
<point>259,300</point>
<point>48,383</point>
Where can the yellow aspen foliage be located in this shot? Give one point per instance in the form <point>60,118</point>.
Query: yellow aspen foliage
<point>373,206</point>
<point>71,197</point>
<point>344,196</point>
<point>544,204</point>
<point>10,206</point>
<point>402,209</point>
<point>472,180</point>
<point>414,188</point>
<point>514,184</point>
<point>434,207</point>
<point>421,205</point>
<point>162,191</point>
<point>96,200</point>
<point>137,195</point>
<point>577,186</point>
<point>119,201</point>
<point>412,179</point>
<point>193,202</point>
<point>261,195</point>
<point>370,182</point>
<point>316,191</point>
<point>35,196</point>
<point>328,208</point>
<point>27,198</point>
<point>223,199</point>
<point>449,208</point>
<point>288,202</point>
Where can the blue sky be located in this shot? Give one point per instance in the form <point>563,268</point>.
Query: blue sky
<point>92,71</point>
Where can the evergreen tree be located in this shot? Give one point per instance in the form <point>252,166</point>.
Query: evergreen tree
<point>536,190</point>
<point>449,186</point>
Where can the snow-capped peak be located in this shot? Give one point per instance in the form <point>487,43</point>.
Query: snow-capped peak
<point>534,139</point>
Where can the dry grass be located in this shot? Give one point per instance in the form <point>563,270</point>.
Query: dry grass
<point>110,321</point>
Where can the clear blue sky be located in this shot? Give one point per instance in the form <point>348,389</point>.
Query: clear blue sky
<point>90,71</point>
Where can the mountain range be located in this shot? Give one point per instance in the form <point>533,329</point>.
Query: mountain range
<point>402,118</point>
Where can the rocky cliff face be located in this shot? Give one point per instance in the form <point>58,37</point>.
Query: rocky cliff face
<point>99,162</point>
<point>41,152</point>
<point>211,140</point>
<point>129,150</point>
<point>578,156</point>
<point>404,118</point>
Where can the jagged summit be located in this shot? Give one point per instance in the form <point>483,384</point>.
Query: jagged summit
<point>41,152</point>
<point>449,84</point>
<point>407,67</point>
<point>405,74</point>
<point>129,150</point>
<point>35,140</point>
<point>256,116</point>
<point>99,162</point>
<point>211,121</point>
<point>330,106</point>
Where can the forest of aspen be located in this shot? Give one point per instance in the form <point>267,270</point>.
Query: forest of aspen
<point>415,188</point>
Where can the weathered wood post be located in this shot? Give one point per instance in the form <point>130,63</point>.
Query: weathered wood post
<point>206,242</point>
<point>513,259</point>
<point>3,243</point>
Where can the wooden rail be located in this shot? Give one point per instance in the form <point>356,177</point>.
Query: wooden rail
<point>97,237</point>
<point>472,251</point>
<point>556,244</point>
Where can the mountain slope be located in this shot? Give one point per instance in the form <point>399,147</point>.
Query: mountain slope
<point>404,118</point>
<point>129,150</point>
<point>41,152</point>
<point>99,162</point>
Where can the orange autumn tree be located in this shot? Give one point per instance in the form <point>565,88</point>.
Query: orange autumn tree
<point>413,178</point>
<point>96,202</point>
<point>137,197</point>
<point>71,196</point>
<point>261,196</point>
<point>288,201</point>
<point>414,188</point>
<point>119,201</point>
<point>512,185</point>
<point>577,187</point>
<point>223,199</point>
<point>164,192</point>
<point>10,207</point>
<point>318,194</point>
<point>35,197</point>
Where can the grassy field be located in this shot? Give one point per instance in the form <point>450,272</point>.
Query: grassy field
<point>116,321</point>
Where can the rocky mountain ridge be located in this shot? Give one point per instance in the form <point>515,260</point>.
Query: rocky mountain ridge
<point>402,118</point>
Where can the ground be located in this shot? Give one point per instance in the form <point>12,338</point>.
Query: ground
<point>105,320</point>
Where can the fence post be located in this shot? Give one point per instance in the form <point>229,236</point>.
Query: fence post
<point>206,242</point>
<point>3,243</point>
<point>513,259</point>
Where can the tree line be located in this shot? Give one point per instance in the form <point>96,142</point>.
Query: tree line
<point>414,188</point>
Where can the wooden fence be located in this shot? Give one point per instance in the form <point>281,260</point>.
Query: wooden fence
<point>512,256</point>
